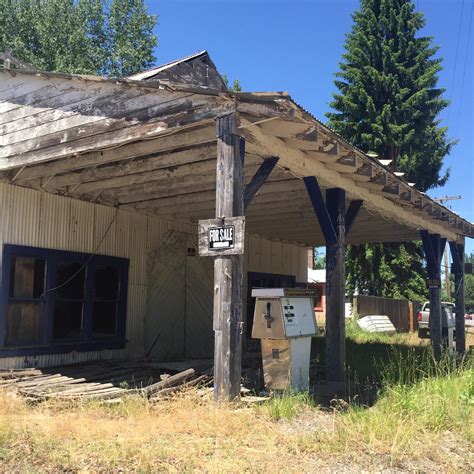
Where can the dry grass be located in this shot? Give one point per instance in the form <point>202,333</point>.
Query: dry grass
<point>422,423</point>
<point>189,433</point>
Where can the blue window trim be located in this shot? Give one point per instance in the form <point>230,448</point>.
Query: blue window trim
<point>86,342</point>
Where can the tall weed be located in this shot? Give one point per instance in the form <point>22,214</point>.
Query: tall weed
<point>288,405</point>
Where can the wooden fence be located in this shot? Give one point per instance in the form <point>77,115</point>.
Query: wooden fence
<point>397,310</point>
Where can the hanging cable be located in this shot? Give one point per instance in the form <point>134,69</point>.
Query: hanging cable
<point>465,68</point>
<point>84,265</point>
<point>455,60</point>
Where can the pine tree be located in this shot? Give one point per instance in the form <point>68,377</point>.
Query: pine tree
<point>388,103</point>
<point>105,37</point>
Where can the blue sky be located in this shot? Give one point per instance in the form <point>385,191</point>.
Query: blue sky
<point>295,46</point>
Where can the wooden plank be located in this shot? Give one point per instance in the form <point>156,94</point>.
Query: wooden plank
<point>145,150</point>
<point>82,107</point>
<point>79,126</point>
<point>111,133</point>
<point>169,173</point>
<point>228,277</point>
<point>168,160</point>
<point>206,196</point>
<point>156,184</point>
<point>33,102</point>
<point>171,381</point>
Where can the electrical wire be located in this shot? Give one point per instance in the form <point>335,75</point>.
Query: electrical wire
<point>91,256</point>
<point>455,60</point>
<point>464,70</point>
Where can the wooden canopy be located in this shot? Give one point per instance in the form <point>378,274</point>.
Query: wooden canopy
<point>150,147</point>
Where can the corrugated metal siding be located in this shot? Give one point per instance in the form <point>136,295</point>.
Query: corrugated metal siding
<point>157,301</point>
<point>199,336</point>
<point>165,308</point>
<point>32,218</point>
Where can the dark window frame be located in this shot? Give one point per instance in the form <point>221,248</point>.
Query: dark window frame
<point>86,342</point>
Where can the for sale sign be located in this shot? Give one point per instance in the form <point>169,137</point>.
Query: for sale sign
<point>223,236</point>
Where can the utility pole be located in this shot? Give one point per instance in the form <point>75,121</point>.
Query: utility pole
<point>442,200</point>
<point>446,274</point>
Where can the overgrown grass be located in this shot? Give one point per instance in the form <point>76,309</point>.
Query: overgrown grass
<point>288,405</point>
<point>366,351</point>
<point>424,411</point>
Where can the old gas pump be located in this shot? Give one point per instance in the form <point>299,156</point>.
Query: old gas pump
<point>284,321</point>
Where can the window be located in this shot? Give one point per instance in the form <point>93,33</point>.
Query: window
<point>69,300</point>
<point>57,301</point>
<point>106,300</point>
<point>24,312</point>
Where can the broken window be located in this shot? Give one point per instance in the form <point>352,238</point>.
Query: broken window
<point>69,300</point>
<point>106,295</point>
<point>24,312</point>
<point>61,300</point>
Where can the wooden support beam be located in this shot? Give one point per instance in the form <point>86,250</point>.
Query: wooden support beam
<point>331,216</point>
<point>228,270</point>
<point>433,247</point>
<point>258,180</point>
<point>335,288</point>
<point>307,163</point>
<point>392,187</point>
<point>365,172</point>
<point>317,200</point>
<point>352,212</point>
<point>457,253</point>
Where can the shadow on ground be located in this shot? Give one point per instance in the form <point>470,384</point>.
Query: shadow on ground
<point>365,363</point>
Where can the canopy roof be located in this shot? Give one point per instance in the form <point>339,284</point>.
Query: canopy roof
<point>150,147</point>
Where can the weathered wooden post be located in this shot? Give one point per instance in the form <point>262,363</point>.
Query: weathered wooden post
<point>457,253</point>
<point>335,224</point>
<point>335,287</point>
<point>433,247</point>
<point>228,279</point>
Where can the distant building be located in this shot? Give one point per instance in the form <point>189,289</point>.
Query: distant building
<point>317,282</point>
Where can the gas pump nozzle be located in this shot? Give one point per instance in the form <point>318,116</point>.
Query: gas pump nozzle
<point>268,315</point>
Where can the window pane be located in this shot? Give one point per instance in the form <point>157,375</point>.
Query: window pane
<point>74,275</point>
<point>106,282</point>
<point>67,322</point>
<point>104,321</point>
<point>23,325</point>
<point>27,276</point>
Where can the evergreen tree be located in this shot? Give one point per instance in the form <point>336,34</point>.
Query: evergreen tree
<point>105,37</point>
<point>388,103</point>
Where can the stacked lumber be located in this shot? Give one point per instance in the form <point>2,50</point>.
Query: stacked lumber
<point>102,381</point>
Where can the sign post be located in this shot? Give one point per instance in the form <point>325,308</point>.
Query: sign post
<point>223,238</point>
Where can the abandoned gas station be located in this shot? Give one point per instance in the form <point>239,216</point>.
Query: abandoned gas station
<point>103,186</point>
